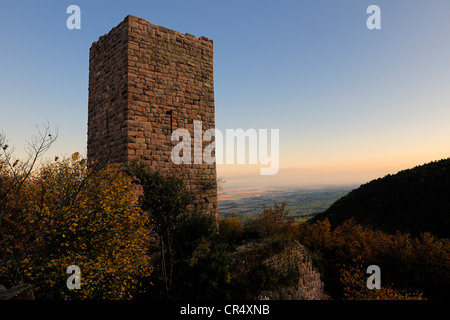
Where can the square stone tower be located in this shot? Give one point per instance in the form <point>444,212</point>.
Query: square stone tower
<point>145,81</point>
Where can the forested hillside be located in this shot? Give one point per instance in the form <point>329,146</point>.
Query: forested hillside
<point>412,201</point>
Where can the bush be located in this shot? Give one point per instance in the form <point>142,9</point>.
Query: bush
<point>175,215</point>
<point>70,214</point>
<point>273,223</point>
<point>354,280</point>
<point>408,264</point>
<point>231,230</point>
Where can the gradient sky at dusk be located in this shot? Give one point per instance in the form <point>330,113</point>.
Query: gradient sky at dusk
<point>351,104</point>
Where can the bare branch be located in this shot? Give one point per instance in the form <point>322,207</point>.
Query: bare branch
<point>19,172</point>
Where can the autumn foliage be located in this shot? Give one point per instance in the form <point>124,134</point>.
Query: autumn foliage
<point>353,278</point>
<point>69,213</point>
<point>411,267</point>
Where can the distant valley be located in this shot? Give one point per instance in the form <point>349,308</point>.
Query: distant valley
<point>302,202</point>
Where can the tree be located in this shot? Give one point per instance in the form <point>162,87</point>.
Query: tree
<point>69,213</point>
<point>166,200</point>
<point>14,173</point>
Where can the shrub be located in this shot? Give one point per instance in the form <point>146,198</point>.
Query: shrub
<point>354,279</point>
<point>408,264</point>
<point>231,230</point>
<point>69,213</point>
<point>273,223</point>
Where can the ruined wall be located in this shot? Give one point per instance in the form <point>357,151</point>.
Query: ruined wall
<point>310,285</point>
<point>139,72</point>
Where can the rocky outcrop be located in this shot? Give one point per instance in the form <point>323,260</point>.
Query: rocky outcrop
<point>20,292</point>
<point>295,258</point>
<point>293,262</point>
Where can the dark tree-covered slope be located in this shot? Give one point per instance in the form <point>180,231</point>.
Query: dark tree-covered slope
<point>412,201</point>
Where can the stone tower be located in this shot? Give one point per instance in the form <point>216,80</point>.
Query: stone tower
<point>146,81</point>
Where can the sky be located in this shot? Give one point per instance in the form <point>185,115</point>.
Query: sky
<point>351,104</point>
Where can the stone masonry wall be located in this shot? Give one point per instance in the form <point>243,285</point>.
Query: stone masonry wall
<point>108,95</point>
<point>310,285</point>
<point>140,73</point>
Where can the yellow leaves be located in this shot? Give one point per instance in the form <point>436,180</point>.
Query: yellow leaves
<point>95,224</point>
<point>75,156</point>
<point>354,283</point>
<point>202,250</point>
